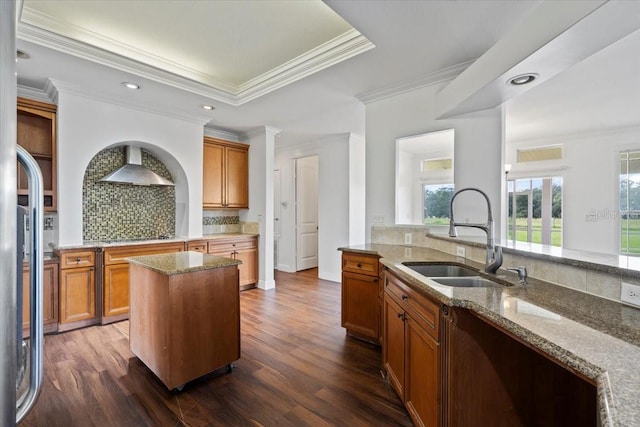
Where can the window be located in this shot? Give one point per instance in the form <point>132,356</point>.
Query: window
<point>535,210</point>
<point>630,203</point>
<point>437,202</point>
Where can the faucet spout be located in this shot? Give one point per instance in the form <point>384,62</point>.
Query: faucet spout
<point>494,253</point>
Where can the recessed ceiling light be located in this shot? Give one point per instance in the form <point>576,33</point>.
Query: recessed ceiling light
<point>21,54</point>
<point>130,85</point>
<point>208,107</point>
<point>523,79</point>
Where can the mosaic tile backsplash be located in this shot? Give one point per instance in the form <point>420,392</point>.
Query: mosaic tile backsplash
<point>125,211</point>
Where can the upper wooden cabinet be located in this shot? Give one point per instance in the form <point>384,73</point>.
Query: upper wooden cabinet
<point>225,174</point>
<point>36,133</point>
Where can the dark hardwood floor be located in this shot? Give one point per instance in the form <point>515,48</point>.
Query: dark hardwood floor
<point>298,368</point>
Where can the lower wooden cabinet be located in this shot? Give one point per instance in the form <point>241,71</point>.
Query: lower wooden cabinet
<point>115,284</point>
<point>50,296</point>
<point>411,350</point>
<point>243,248</point>
<point>77,289</point>
<point>361,296</point>
<point>360,306</point>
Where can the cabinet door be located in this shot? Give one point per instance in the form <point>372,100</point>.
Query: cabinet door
<point>421,392</point>
<point>237,173</point>
<point>116,289</point>
<point>50,298</point>
<point>360,305</point>
<point>213,176</point>
<point>249,267</point>
<point>393,344</point>
<point>77,294</point>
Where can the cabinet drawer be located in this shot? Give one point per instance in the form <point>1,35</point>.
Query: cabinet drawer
<point>118,255</point>
<point>419,307</point>
<point>360,263</point>
<point>231,245</point>
<point>77,259</point>
<point>199,246</point>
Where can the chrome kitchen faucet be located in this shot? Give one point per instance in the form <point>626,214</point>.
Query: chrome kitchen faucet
<point>494,253</point>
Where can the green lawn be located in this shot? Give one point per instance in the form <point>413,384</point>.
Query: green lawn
<point>631,226</point>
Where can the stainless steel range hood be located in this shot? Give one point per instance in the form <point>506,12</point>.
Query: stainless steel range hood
<point>134,173</point>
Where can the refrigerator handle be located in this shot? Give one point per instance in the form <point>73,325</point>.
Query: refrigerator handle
<point>36,263</point>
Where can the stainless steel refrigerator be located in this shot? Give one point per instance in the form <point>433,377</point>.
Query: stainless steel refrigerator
<point>18,358</point>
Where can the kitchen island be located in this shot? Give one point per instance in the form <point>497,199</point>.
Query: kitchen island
<point>184,317</point>
<point>595,340</point>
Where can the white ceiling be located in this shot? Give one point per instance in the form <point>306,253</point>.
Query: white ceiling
<point>415,42</point>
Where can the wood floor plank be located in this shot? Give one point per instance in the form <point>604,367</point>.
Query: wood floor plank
<point>297,368</point>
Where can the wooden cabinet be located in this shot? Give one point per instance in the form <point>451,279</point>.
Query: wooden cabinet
<point>411,350</point>
<point>243,248</point>
<point>197,246</point>
<point>36,133</point>
<point>50,297</point>
<point>185,325</point>
<point>495,379</point>
<point>77,302</point>
<point>115,284</point>
<point>225,174</point>
<point>361,305</point>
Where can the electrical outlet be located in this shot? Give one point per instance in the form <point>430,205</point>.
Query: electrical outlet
<point>407,238</point>
<point>461,251</point>
<point>630,293</point>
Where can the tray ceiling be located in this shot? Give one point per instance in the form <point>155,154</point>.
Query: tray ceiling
<point>231,51</point>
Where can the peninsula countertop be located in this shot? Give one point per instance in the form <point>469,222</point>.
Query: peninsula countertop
<point>597,337</point>
<point>182,262</point>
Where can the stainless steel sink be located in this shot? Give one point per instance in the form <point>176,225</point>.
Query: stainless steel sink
<point>466,282</point>
<point>441,270</point>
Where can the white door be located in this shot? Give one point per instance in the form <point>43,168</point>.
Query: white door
<point>276,216</point>
<point>306,213</point>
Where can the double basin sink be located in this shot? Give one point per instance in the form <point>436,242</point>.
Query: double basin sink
<point>451,275</point>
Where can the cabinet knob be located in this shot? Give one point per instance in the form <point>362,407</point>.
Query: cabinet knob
<point>375,280</point>
<point>359,265</point>
<point>401,316</point>
<point>77,260</point>
<point>405,297</point>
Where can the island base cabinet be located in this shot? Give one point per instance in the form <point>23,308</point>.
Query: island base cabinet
<point>411,351</point>
<point>360,306</point>
<point>495,380</point>
<point>422,385</point>
<point>183,326</point>
<point>393,344</point>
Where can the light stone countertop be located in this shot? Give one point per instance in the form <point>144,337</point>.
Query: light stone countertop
<point>182,262</point>
<point>116,243</point>
<point>596,337</point>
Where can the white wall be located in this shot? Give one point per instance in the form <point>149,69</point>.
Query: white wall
<point>261,167</point>
<point>477,148</point>
<point>590,171</point>
<point>357,189</point>
<point>340,201</point>
<point>86,126</point>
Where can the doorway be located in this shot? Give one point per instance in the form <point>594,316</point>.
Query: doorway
<point>306,183</point>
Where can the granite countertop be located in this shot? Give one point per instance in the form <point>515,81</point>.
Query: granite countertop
<point>226,236</point>
<point>593,336</point>
<point>116,243</point>
<point>182,262</point>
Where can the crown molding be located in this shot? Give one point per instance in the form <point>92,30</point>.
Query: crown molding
<point>221,134</point>
<point>429,79</point>
<point>64,87</point>
<point>35,94</point>
<point>341,48</point>
<point>31,28</point>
